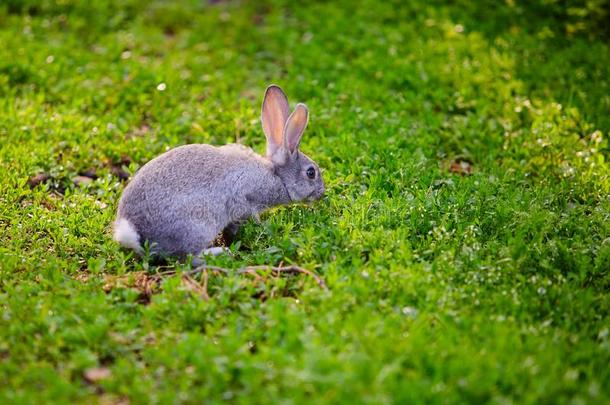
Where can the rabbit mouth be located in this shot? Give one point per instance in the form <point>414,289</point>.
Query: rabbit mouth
<point>313,196</point>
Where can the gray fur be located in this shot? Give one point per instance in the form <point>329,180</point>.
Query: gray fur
<point>180,201</point>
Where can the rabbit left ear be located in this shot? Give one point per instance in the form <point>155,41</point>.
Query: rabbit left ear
<point>274,114</point>
<point>295,126</point>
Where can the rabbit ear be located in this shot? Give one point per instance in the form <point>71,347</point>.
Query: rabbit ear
<point>295,126</point>
<point>274,114</point>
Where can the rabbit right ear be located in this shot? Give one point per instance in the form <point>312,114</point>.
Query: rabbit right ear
<point>274,115</point>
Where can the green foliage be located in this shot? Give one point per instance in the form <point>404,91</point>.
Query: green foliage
<point>571,18</point>
<point>585,17</point>
<point>487,287</point>
<point>559,143</point>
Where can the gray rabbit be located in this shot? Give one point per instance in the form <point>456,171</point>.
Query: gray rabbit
<point>180,201</point>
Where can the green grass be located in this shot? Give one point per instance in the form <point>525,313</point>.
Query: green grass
<point>490,287</point>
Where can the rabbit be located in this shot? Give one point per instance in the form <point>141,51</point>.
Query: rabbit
<point>178,203</point>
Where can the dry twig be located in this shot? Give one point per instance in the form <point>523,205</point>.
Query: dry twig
<point>252,270</point>
<point>146,284</point>
<point>195,287</point>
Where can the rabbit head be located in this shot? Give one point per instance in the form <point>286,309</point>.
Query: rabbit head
<point>300,175</point>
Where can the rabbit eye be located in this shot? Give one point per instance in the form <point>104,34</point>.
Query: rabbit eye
<point>311,172</point>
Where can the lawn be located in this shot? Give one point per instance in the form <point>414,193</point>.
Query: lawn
<point>464,236</point>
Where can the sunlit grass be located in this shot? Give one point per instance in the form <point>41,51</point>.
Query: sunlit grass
<point>464,236</point>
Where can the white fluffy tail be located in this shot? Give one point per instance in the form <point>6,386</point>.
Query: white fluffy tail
<point>125,233</point>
